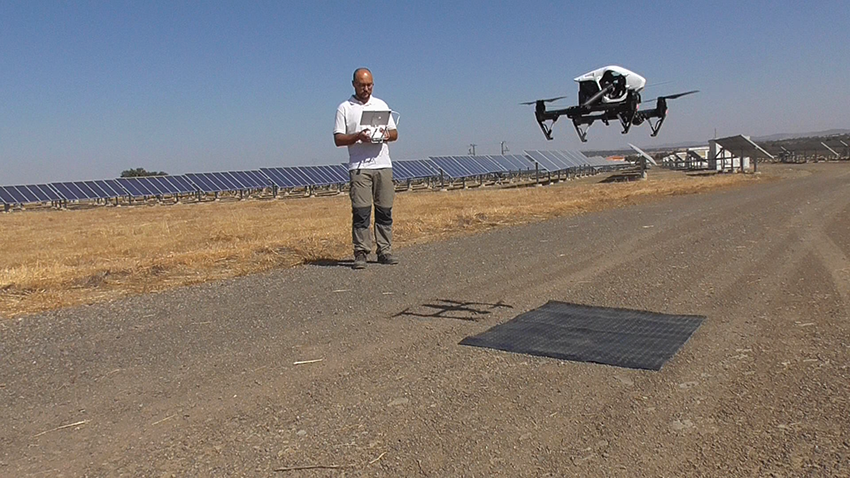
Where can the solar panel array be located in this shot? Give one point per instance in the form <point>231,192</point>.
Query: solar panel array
<point>553,161</point>
<point>304,176</point>
<point>408,169</point>
<point>453,167</point>
<point>457,167</point>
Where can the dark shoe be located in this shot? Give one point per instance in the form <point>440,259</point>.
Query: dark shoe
<point>387,259</point>
<point>359,260</point>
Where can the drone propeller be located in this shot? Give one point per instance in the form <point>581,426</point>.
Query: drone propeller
<point>547,100</point>
<point>672,97</point>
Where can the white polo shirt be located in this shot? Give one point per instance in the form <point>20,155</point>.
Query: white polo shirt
<point>363,155</point>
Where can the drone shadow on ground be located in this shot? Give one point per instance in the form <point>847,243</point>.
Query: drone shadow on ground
<point>453,309</point>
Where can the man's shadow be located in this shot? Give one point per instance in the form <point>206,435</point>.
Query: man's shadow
<point>325,262</point>
<point>453,309</point>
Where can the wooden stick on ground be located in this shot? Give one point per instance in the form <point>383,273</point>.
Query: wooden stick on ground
<point>314,467</point>
<point>83,422</point>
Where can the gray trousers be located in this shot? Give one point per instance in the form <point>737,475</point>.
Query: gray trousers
<point>370,186</point>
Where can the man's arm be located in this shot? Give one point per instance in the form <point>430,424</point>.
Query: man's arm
<point>342,139</point>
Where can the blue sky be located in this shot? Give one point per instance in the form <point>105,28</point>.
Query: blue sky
<point>88,89</point>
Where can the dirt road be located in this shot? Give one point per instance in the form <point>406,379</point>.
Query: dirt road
<point>202,381</point>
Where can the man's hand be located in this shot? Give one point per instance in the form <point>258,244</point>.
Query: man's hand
<point>364,136</point>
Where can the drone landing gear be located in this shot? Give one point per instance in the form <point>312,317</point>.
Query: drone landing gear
<point>657,126</point>
<point>626,121</point>
<point>581,129</point>
<point>547,128</point>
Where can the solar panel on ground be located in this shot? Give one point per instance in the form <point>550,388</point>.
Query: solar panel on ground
<point>557,160</point>
<point>421,168</point>
<point>111,187</point>
<point>135,187</point>
<point>182,184</point>
<point>511,163</point>
<point>318,174</point>
<point>249,180</point>
<point>87,191</point>
<point>277,178</point>
<point>570,162</point>
<point>101,193</point>
<point>298,177</point>
<point>471,165</point>
<point>401,172</point>
<point>24,194</point>
<point>6,197</point>
<point>338,173</point>
<point>163,185</point>
<point>341,171</point>
<point>307,177</point>
<point>258,179</point>
<point>577,157</point>
<point>200,182</point>
<point>223,181</point>
<point>292,177</point>
<point>74,191</point>
<point>43,192</point>
<point>157,186</point>
<point>231,178</point>
<point>545,163</point>
<point>490,165</point>
<point>311,176</point>
<point>451,167</point>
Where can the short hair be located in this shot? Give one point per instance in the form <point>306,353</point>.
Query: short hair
<point>354,76</point>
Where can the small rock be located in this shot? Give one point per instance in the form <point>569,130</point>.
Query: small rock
<point>399,401</point>
<point>301,433</point>
<point>680,425</point>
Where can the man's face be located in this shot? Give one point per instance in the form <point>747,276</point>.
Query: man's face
<point>362,85</point>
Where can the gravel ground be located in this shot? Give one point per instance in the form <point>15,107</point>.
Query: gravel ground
<point>203,381</point>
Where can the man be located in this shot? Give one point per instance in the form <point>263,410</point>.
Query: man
<point>369,169</point>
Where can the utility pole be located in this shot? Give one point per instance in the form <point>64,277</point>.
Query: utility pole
<point>504,147</point>
<point>472,149</point>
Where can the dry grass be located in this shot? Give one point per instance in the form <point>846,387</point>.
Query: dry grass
<point>55,259</point>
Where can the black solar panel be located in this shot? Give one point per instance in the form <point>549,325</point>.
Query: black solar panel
<point>470,164</point>
<point>111,187</point>
<point>292,177</point>
<point>451,167</point>
<point>223,181</point>
<point>6,197</point>
<point>246,180</point>
<point>87,192</point>
<point>24,193</point>
<point>134,187</point>
<point>44,193</point>
<point>315,176</point>
<point>181,184</point>
<point>400,172</point>
<point>276,178</point>
<point>544,161</point>
<point>300,176</point>
<point>261,179</point>
<point>576,157</point>
<point>155,185</point>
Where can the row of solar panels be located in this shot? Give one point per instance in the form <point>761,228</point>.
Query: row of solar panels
<point>455,167</point>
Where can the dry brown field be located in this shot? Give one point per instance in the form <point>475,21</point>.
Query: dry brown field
<point>55,259</point>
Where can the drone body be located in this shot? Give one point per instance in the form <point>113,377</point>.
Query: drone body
<point>606,94</point>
